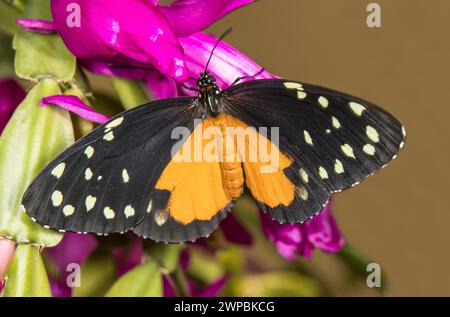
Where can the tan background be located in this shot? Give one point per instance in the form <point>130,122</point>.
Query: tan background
<point>399,217</point>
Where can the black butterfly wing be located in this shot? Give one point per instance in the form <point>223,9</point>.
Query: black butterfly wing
<point>105,182</point>
<point>335,140</point>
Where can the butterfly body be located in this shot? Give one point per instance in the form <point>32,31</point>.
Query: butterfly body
<point>171,170</point>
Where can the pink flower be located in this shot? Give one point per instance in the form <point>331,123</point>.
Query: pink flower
<point>73,248</point>
<point>11,95</point>
<point>321,232</point>
<point>101,33</point>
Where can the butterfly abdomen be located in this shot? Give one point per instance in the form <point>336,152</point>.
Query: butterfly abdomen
<point>230,163</point>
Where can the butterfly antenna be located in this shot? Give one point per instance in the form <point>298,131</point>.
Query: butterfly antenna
<point>228,31</point>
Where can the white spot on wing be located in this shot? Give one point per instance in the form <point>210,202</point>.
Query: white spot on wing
<point>335,122</point>
<point>301,95</point>
<point>68,210</point>
<point>369,149</point>
<point>109,136</point>
<point>323,102</point>
<point>161,217</point>
<point>109,213</point>
<point>58,170</point>
<point>308,138</point>
<point>304,175</point>
<point>348,150</point>
<point>129,211</point>
<point>90,202</point>
<point>150,205</point>
<point>88,174</point>
<point>372,134</point>
<point>323,173</point>
<point>338,167</point>
<point>114,123</point>
<point>357,108</point>
<point>291,85</point>
<point>89,151</point>
<point>57,198</point>
<point>302,192</point>
<point>125,176</point>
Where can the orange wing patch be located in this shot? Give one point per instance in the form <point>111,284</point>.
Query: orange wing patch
<point>263,165</point>
<point>206,173</point>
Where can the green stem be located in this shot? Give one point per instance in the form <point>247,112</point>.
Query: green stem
<point>130,92</point>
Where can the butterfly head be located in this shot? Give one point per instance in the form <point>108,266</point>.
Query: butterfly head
<point>209,92</point>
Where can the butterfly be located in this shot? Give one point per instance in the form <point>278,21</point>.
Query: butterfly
<point>170,170</point>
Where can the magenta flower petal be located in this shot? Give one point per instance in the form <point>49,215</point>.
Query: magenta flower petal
<point>59,288</point>
<point>321,232</point>
<point>161,86</point>
<point>168,287</point>
<point>227,63</point>
<point>324,233</point>
<point>210,290</point>
<point>187,17</point>
<point>119,67</point>
<point>11,95</point>
<point>128,257</point>
<point>73,248</point>
<point>75,105</point>
<point>104,30</point>
<point>235,232</point>
<point>38,26</point>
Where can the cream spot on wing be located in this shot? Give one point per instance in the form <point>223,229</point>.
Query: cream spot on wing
<point>100,177</point>
<point>372,134</point>
<point>323,102</point>
<point>369,149</point>
<point>338,167</point>
<point>403,131</point>
<point>58,170</point>
<point>323,173</point>
<point>109,136</point>
<point>109,213</point>
<point>304,175</point>
<point>161,217</point>
<point>125,176</point>
<point>301,95</point>
<point>308,138</point>
<point>348,150</point>
<point>150,205</point>
<point>328,131</point>
<point>357,108</point>
<point>89,151</point>
<point>129,211</point>
<point>90,202</point>
<point>68,210</point>
<point>291,85</point>
<point>114,123</point>
<point>88,174</point>
<point>302,192</point>
<point>57,198</point>
<point>335,122</point>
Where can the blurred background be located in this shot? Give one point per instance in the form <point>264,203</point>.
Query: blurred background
<point>398,218</point>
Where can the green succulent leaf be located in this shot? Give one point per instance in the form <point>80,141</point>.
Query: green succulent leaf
<point>278,284</point>
<point>32,138</point>
<point>98,274</point>
<point>26,274</point>
<point>144,280</point>
<point>54,60</point>
<point>166,255</point>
